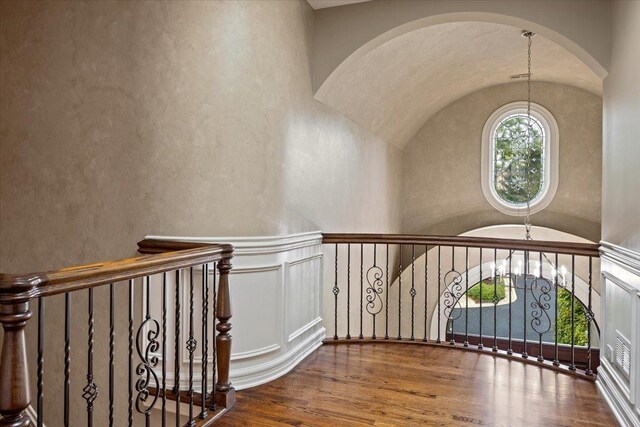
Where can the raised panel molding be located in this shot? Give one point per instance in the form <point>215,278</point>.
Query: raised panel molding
<point>280,279</point>
<point>621,314</point>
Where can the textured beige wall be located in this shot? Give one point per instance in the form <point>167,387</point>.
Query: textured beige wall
<point>621,158</point>
<point>120,119</point>
<point>580,26</point>
<point>187,118</point>
<point>442,191</point>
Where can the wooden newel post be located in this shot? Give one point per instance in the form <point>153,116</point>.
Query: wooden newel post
<point>225,393</point>
<point>15,395</point>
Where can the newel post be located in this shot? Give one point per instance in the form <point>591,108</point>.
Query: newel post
<point>225,393</point>
<point>15,395</point>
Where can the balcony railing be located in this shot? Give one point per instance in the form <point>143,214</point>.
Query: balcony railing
<point>150,351</point>
<point>515,298</point>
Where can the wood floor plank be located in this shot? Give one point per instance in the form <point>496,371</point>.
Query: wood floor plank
<point>401,385</point>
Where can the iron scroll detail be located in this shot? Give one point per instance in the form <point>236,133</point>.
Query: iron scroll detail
<point>145,368</point>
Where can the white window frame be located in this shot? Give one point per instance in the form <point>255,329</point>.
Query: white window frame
<point>551,158</point>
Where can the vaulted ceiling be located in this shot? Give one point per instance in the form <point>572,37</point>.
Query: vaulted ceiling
<point>395,88</point>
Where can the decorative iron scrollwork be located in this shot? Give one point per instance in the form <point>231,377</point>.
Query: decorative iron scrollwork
<point>452,295</point>
<point>145,368</point>
<point>374,290</point>
<point>540,319</point>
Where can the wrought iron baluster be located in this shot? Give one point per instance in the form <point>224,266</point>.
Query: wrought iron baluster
<point>205,339</point>
<point>556,362</point>
<point>348,291</point>
<point>212,404</point>
<point>572,367</point>
<point>145,369</point>
<point>67,356</point>
<point>466,296</point>
<point>191,348</point>
<point>495,301</point>
<point>438,340</point>
<point>112,344</point>
<point>336,291</point>
<point>480,343</point>
<point>130,412</point>
<point>386,305</point>
<point>426,291</point>
<point>588,371</point>
<point>40,407</point>
<point>164,348</point>
<point>361,286</point>
<point>177,361</point>
<point>90,391</point>
<point>452,295</point>
<point>412,291</point>
<point>512,285</point>
<point>540,319</point>
<point>525,355</point>
<point>400,293</point>
<point>374,289</point>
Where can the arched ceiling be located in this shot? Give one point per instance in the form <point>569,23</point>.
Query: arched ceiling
<point>393,89</point>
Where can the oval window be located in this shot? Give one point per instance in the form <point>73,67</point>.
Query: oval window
<point>520,158</point>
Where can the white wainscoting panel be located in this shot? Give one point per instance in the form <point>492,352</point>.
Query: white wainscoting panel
<point>276,285</point>
<point>619,371</point>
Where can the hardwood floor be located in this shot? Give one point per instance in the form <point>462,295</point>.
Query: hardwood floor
<point>391,385</point>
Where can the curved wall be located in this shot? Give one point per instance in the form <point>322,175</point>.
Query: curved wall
<point>442,191</point>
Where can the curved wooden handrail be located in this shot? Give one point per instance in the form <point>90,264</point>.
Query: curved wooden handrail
<point>568,248</point>
<point>21,288</point>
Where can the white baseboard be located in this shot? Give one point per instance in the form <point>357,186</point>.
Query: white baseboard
<point>619,405</point>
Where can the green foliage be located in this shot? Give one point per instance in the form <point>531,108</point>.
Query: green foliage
<point>488,290</point>
<point>518,169</point>
<point>564,319</point>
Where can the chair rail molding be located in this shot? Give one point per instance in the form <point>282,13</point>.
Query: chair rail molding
<point>620,340</point>
<point>276,295</point>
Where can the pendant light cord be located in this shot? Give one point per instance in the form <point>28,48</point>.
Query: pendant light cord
<point>527,218</point>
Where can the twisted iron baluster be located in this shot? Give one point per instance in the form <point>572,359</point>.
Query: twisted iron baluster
<point>40,407</point>
<point>572,367</point>
<point>495,301</point>
<point>177,361</point>
<point>112,344</point>
<point>400,293</point>
<point>426,291</point>
<point>205,339</point>
<point>130,412</point>
<point>480,343</point>
<point>361,286</point>
<point>588,371</point>
<point>164,348</point>
<point>335,291</point>
<point>466,295</point>
<point>386,296</point>
<point>511,286</point>
<point>556,362</point>
<point>215,305</point>
<point>191,348</point>
<point>525,355</point>
<point>439,294</point>
<point>90,391</point>
<point>412,291</point>
<point>67,356</point>
<point>348,291</point>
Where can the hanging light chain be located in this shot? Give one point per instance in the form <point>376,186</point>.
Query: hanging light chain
<point>527,218</point>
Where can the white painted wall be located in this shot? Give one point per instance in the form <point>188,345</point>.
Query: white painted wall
<point>621,213</point>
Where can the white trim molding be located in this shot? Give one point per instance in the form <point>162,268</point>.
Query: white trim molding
<point>620,339</point>
<point>551,157</point>
<point>276,298</point>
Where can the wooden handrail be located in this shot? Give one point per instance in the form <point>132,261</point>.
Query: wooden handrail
<point>22,288</point>
<point>567,248</point>
<point>17,292</point>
